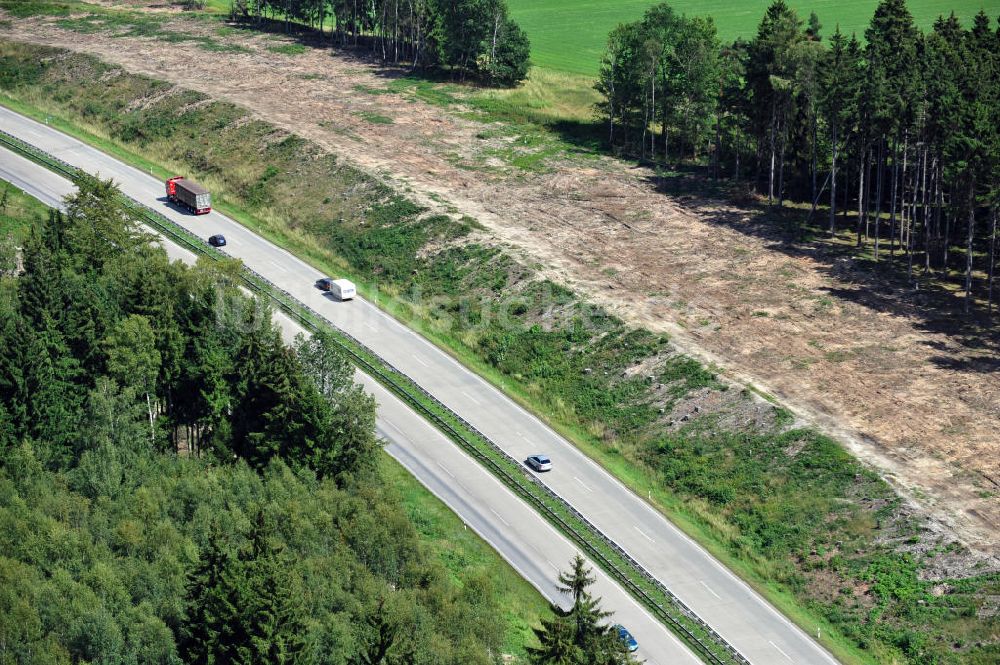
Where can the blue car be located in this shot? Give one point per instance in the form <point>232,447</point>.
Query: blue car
<point>626,638</point>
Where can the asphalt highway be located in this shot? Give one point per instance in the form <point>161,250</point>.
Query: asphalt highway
<point>532,547</point>
<point>738,613</point>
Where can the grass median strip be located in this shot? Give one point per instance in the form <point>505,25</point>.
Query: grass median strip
<point>614,560</point>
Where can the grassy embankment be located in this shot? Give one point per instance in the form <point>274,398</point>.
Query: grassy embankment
<point>465,555</point>
<point>17,212</point>
<point>790,511</point>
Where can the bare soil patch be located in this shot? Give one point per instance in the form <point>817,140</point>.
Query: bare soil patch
<point>901,391</point>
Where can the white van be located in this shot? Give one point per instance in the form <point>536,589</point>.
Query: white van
<point>343,289</point>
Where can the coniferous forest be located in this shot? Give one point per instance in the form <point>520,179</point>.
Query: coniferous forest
<point>893,136</point>
<point>467,37</point>
<point>177,485</point>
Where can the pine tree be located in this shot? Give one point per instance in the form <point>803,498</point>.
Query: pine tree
<point>814,28</point>
<point>210,608</point>
<point>40,288</point>
<point>557,644</point>
<point>271,616</point>
<point>14,363</point>
<point>100,227</point>
<point>771,86</point>
<point>892,76</point>
<point>838,82</point>
<point>581,635</point>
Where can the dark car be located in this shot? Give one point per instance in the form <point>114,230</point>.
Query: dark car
<point>217,241</point>
<point>539,462</point>
<point>324,284</point>
<point>626,638</point>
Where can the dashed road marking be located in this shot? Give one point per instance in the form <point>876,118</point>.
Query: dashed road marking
<point>582,483</point>
<point>780,651</point>
<point>506,523</point>
<point>710,590</point>
<point>644,535</point>
<point>443,468</point>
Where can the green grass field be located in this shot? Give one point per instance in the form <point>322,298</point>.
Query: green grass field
<point>569,35</point>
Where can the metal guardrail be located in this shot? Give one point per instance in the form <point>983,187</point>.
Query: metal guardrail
<point>711,646</point>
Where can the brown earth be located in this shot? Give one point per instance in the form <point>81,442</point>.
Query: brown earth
<point>887,376</point>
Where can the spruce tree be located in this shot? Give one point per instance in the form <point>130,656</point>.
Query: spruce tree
<point>557,644</point>
<point>582,635</point>
<point>206,628</point>
<point>271,617</point>
<point>771,72</point>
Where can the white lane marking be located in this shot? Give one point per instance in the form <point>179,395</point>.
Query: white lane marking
<point>370,326</point>
<point>582,483</point>
<point>506,523</point>
<point>389,423</point>
<point>553,565</point>
<point>710,590</point>
<point>644,534</point>
<point>277,265</point>
<point>780,651</point>
<point>420,360</point>
<point>443,468</point>
<point>474,400</point>
<point>464,488</point>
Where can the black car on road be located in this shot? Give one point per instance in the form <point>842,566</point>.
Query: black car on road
<point>217,240</point>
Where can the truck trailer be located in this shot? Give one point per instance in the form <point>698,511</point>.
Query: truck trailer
<point>189,194</point>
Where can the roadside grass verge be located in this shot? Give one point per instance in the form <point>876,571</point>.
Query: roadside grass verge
<point>468,558</point>
<point>799,518</point>
<point>18,211</point>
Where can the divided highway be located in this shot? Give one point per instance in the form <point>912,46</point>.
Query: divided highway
<point>742,617</point>
<point>508,524</point>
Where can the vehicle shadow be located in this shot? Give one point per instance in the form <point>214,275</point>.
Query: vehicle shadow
<point>175,206</point>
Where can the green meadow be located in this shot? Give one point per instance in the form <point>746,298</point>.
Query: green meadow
<point>569,35</point>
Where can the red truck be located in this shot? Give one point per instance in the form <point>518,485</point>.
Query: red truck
<point>189,194</point>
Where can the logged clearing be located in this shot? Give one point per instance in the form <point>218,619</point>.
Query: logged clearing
<point>891,378</point>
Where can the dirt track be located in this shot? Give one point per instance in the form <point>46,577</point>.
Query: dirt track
<point>905,397</point>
